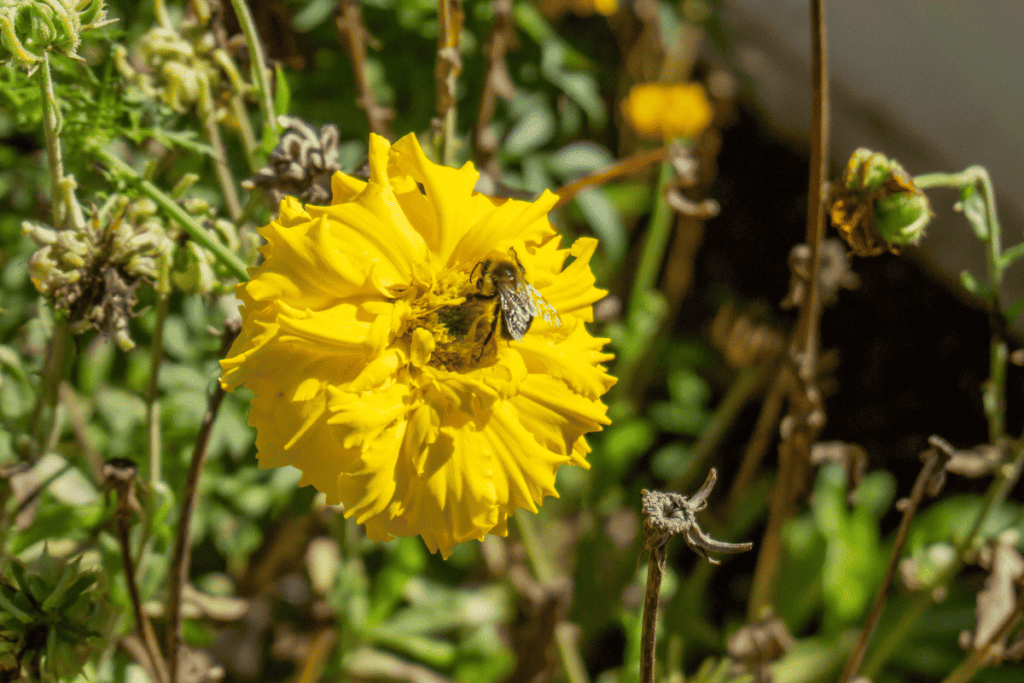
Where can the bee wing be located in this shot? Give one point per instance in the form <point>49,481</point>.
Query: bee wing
<point>517,310</point>
<point>542,308</point>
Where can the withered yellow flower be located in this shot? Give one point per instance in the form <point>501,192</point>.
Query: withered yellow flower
<point>374,343</point>
<point>668,110</point>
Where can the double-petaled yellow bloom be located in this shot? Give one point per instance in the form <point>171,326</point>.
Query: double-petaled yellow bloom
<point>363,342</point>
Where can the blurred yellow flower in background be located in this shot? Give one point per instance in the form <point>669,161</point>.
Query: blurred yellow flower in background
<point>668,110</point>
<point>581,8</point>
<point>380,366</point>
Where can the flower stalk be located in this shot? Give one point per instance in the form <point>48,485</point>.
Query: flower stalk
<point>197,232</point>
<point>987,227</point>
<point>258,66</point>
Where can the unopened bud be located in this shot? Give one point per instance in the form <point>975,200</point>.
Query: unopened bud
<point>876,207</point>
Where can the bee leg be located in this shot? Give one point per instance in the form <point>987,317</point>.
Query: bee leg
<point>490,333</point>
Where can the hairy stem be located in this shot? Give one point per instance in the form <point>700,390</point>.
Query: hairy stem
<point>258,66</point>
<point>51,132</point>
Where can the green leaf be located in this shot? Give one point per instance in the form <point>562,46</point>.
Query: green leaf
<point>973,286</point>
<point>8,605</point>
<point>1011,255</point>
<point>312,15</point>
<point>282,93</point>
<point>534,130</point>
<point>1014,310</point>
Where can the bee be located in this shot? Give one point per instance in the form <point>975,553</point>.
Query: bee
<point>517,302</point>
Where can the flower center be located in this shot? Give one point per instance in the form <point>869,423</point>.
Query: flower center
<point>458,321</point>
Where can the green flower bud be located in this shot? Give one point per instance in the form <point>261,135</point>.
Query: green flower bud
<point>28,28</point>
<point>902,217</point>
<point>876,207</point>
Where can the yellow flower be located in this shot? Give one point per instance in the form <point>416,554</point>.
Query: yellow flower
<point>380,368</point>
<point>581,8</point>
<point>667,110</point>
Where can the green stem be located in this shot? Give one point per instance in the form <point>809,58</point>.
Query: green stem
<point>208,114</point>
<point>201,235</point>
<point>995,389</point>
<point>658,233</point>
<point>258,65</point>
<point>46,397</point>
<point>572,662</point>
<point>163,290</point>
<point>249,142</point>
<point>51,132</point>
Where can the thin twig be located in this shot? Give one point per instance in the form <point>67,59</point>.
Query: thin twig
<point>980,655</point>
<point>46,396</point>
<point>810,311</point>
<point>804,403</point>
<point>935,461</point>
<point>760,439</point>
<point>181,557</point>
<point>652,597</point>
<point>618,169</point>
<point>497,82</point>
<point>225,180</point>
<point>119,475</point>
<point>353,34</point>
<point>447,67</point>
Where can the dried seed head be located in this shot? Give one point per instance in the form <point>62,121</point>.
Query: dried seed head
<point>301,165</point>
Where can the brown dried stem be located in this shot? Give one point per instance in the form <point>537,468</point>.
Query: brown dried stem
<point>497,83</point>
<point>447,67</point>
<point>348,21</point>
<point>935,462</point>
<point>668,515</point>
<point>182,550</point>
<point>760,440</point>
<point>119,475</point>
<point>979,657</point>
<point>806,416</point>
<point>623,167</point>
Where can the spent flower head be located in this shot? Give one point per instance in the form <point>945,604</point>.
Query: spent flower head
<point>876,207</point>
<point>301,164</point>
<point>91,272</point>
<point>418,349</point>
